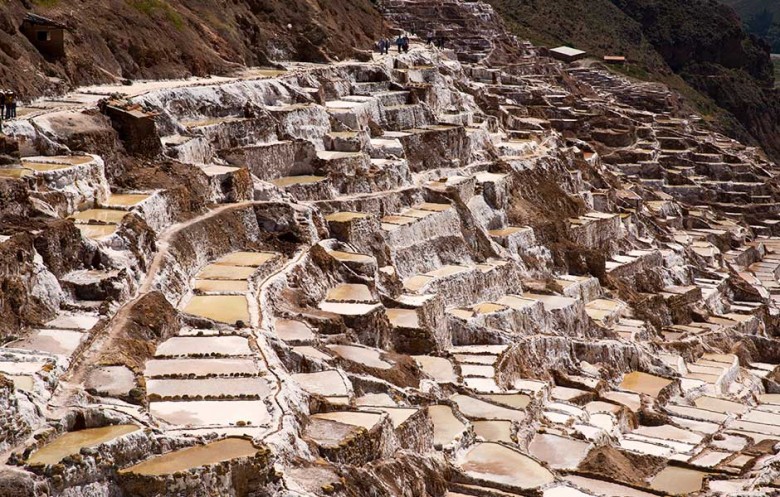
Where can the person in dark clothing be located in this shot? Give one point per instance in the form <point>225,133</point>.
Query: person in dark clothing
<point>400,43</point>
<point>406,44</point>
<point>387,45</point>
<point>430,39</point>
<point>10,105</point>
<point>2,105</point>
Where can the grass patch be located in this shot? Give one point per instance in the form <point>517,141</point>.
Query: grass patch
<point>154,8</point>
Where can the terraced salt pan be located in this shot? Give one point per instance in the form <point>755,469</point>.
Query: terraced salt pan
<point>224,345</point>
<point>125,199</point>
<point>326,383</point>
<point>438,368</point>
<point>499,464</point>
<point>605,488</point>
<point>513,400</point>
<point>494,431</point>
<point>221,286</point>
<point>297,180</point>
<point>97,231</point>
<point>194,457</point>
<point>225,272</point>
<point>365,420</point>
<point>367,357</point>
<point>208,387</point>
<point>57,342</point>
<point>678,481</point>
<point>311,353</point>
<point>99,216</point>
<point>446,427</point>
<point>221,308</point>
<point>398,415</point>
<point>199,367</point>
<point>350,293</point>
<point>291,330</point>
<point>403,318</point>
<point>348,309</point>
<point>208,412</point>
<point>558,452</point>
<point>645,383</point>
<point>479,409</point>
<point>72,442</point>
<point>73,322</point>
<point>477,370</point>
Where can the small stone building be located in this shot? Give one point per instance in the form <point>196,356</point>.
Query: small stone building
<point>46,35</point>
<point>567,54</point>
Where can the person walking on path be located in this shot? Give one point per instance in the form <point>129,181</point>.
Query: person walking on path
<point>400,43</point>
<point>406,44</point>
<point>2,105</point>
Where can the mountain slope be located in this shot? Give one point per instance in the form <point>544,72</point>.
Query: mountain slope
<point>696,46</point>
<point>110,40</point>
<point>761,17</point>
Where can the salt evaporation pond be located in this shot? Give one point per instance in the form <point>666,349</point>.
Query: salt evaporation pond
<point>72,442</point>
<point>194,457</point>
<point>499,464</point>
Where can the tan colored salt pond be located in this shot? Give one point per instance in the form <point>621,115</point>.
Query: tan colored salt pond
<point>44,166</point>
<point>350,293</point>
<point>194,457</point>
<point>222,286</point>
<point>15,172</point>
<point>445,425</point>
<point>109,216</point>
<point>71,160</point>
<point>494,431</point>
<point>208,387</point>
<point>58,342</point>
<point>499,464</point>
<point>225,272</point>
<point>348,309</point>
<point>96,231</point>
<point>678,481</point>
<point>251,259</point>
<point>297,180</point>
<point>326,383</point>
<point>367,357</point>
<point>645,383</point>
<point>288,329</point>
<point>72,442</point>
<point>223,308</point>
<point>125,199</point>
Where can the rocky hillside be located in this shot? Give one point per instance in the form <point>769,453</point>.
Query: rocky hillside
<point>761,17</point>
<point>722,69</point>
<point>110,40</point>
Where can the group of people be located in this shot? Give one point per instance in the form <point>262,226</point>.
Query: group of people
<point>402,42</point>
<point>7,104</point>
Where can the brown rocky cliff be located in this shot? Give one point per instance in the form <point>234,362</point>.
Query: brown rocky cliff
<point>111,40</point>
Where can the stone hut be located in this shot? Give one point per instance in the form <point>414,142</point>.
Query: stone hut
<point>46,35</point>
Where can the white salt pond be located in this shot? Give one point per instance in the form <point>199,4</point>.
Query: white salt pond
<point>605,488</point>
<point>558,452</point>
<point>72,442</point>
<point>446,427</point>
<point>291,330</point>
<point>474,408</point>
<point>194,457</point>
<point>208,387</point>
<point>57,342</point>
<point>326,383</point>
<point>438,368</point>
<point>498,464</point>
<point>200,367</point>
<point>494,431</point>
<point>210,412</point>
<point>224,345</point>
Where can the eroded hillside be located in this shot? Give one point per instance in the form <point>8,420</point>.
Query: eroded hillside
<point>470,271</point>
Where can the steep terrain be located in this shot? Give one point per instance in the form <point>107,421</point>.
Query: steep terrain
<point>761,17</point>
<point>112,40</point>
<point>698,47</point>
<point>469,271</point>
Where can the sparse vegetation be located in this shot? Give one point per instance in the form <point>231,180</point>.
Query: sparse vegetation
<point>155,8</point>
